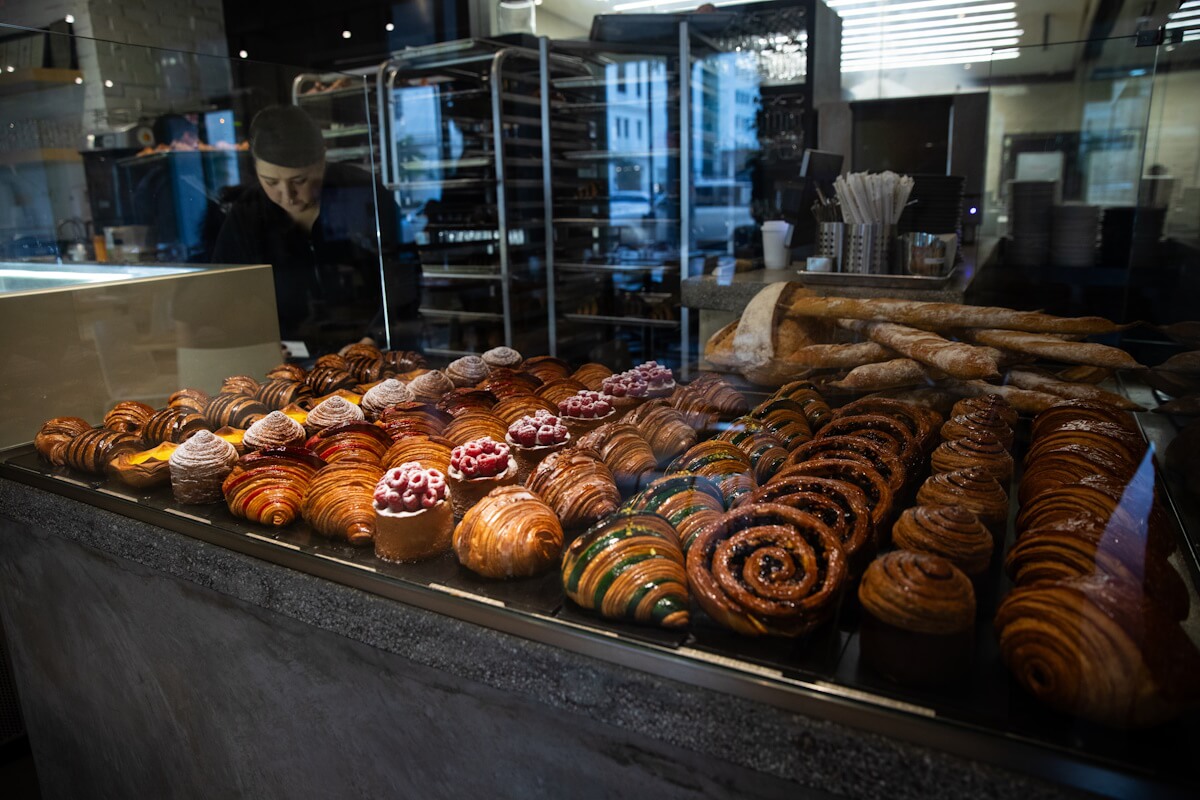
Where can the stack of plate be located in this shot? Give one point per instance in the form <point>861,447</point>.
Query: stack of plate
<point>938,206</point>
<point>1130,236</point>
<point>1029,205</point>
<point>1073,235</point>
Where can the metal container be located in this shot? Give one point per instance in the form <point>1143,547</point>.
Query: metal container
<point>866,249</point>
<point>831,241</point>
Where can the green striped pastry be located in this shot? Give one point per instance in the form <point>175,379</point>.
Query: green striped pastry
<point>689,502</point>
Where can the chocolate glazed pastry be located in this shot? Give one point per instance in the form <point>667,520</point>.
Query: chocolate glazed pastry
<point>194,400</point>
<point>91,450</point>
<point>53,437</point>
<point>952,532</point>
<point>766,569</point>
<point>171,425</point>
<point>863,475</point>
<point>128,416</point>
<point>623,449</point>
<point>855,448</point>
<point>234,410</point>
<point>509,533</point>
<point>972,489</point>
<point>918,618</point>
<point>988,403</point>
<point>664,427</point>
<point>1098,649</point>
<point>764,449</point>
<point>815,409</point>
<point>976,449</point>
<point>786,419</point>
<point>867,425</point>
<point>979,421</point>
<point>727,465</point>
<point>922,422</point>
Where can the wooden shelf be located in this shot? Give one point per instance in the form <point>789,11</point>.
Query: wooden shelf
<point>34,79</point>
<point>45,155</point>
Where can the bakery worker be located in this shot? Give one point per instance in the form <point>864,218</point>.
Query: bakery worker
<point>314,222</point>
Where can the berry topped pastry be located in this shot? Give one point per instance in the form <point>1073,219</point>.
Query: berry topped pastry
<point>413,517</point>
<point>534,437</point>
<point>476,468</point>
<point>585,411</point>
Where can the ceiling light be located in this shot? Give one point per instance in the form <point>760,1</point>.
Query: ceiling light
<point>69,19</point>
<point>108,84</point>
<point>901,31</point>
<point>78,81</point>
<point>872,66</point>
<point>11,69</point>
<point>346,34</point>
<point>389,27</point>
<point>243,54</point>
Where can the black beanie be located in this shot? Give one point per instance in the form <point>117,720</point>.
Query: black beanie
<point>287,137</point>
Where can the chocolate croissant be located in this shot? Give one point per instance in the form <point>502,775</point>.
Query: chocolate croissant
<point>577,485</point>
<point>629,566</point>
<point>503,382</point>
<point>350,441</point>
<point>239,384</point>
<point>431,452</point>
<point>764,449</point>
<point>766,569</point>
<point>331,361</point>
<point>172,425</point>
<point>289,372</point>
<point>340,501</point>
<point>324,380</point>
<point>510,533</point>
<point>471,425</point>
<point>365,367</point>
<point>91,450</point>
<point>689,502</point>
<point>1096,648</point>
<point>400,361</point>
<point>816,410</point>
<point>728,467</point>
<point>280,393</point>
<point>698,413</point>
<point>195,400</point>
<point>1071,413</point>
<point>234,410</point>
<point>55,434</point>
<point>786,419</point>
<point>268,487</point>
<point>622,448</point>
<point>663,427</point>
<point>128,416</point>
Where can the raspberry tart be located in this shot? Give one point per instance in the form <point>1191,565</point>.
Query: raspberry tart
<point>534,437</point>
<point>413,517</point>
<point>585,411</point>
<point>476,468</point>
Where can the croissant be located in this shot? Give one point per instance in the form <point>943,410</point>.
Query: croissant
<point>546,368</point>
<point>509,533</point>
<point>403,419</point>
<point>1077,551</point>
<point>171,425</point>
<point>688,502</point>
<point>350,441</point>
<point>720,394</point>
<point>288,372</point>
<point>816,410</point>
<point>786,419</point>
<point>592,375</point>
<point>987,403</point>
<point>1071,413</point>
<point>234,410</point>
<point>560,389</point>
<point>952,532</point>
<point>861,474</point>
<point>577,485</point>
<point>143,469</point>
<point>128,416</point>
<point>727,465</point>
<point>471,425</point>
<point>762,447</point>
<point>504,382</point>
<point>922,422</point>
<point>340,501</point>
<point>91,450</point>
<point>854,448</point>
<point>622,448</point>
<point>766,569</point>
<point>268,487</point>
<point>461,401</point>
<point>513,407</point>
<point>629,567</point>
<point>324,380</point>
<point>697,412</point>
<point>53,437</point>
<point>842,506</point>
<point>1070,463</point>
<point>1128,508</point>
<point>331,361</point>
<point>1096,648</point>
<point>365,367</point>
<point>280,393</point>
<point>1117,450</point>
<point>973,489</point>
<point>239,384</point>
<point>663,427</point>
<point>400,361</point>
<point>888,431</point>
<point>431,452</point>
<point>978,449</point>
<point>990,421</point>
<point>194,400</point>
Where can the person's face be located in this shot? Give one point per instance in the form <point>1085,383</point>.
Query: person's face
<point>294,189</point>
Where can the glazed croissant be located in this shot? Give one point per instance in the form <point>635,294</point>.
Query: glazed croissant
<point>560,389</point>
<point>728,467</point>
<point>512,408</point>
<point>464,400</point>
<point>1070,463</point>
<point>510,533</point>
<point>91,450</point>
<point>280,393</point>
<point>53,437</point>
<point>1109,504</point>
<point>577,485</point>
<point>786,419</point>
<point>468,426</point>
<point>663,427</point>
<point>629,566</point>
<point>291,372</point>
<point>171,425</point>
<point>504,382</point>
<point>720,395</point>
<point>195,400</point>
<point>688,502</point>
<point>234,410</point>
<point>766,569</point>
<point>762,447</point>
<point>268,487</point>
<point>592,375</point>
<point>546,368</point>
<point>340,501</point>
<point>622,448</point>
<point>698,413</point>
<point>239,384</point>
<point>322,380</point>
<point>352,441</point>
<point>128,416</point>
<point>431,452</point>
<point>404,419</point>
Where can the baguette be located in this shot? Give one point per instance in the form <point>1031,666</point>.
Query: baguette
<point>940,316</point>
<point>1050,347</point>
<point>1041,382</point>
<point>894,374</point>
<point>953,358</point>
<point>839,356</point>
<point>1023,400</point>
<point>1082,373</point>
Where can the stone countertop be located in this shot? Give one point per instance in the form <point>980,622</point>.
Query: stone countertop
<point>807,749</point>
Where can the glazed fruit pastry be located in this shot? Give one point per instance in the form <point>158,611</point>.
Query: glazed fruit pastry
<point>476,468</point>
<point>413,517</point>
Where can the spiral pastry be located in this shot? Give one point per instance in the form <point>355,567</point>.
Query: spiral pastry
<point>1086,413</point>
<point>286,372</point>
<point>975,449</point>
<point>471,425</point>
<point>128,416</point>
<point>688,502</point>
<point>460,401</point>
<point>923,423</point>
<point>397,362</point>
<point>842,506</point>
<point>1070,463</point>
<point>882,429</point>
<point>918,618</point>
<point>506,382</point>
<point>365,368</point>
<point>592,375</point>
<point>973,489</point>
<point>324,380</point>
<point>513,407</point>
<point>383,396</point>
<point>728,467</point>
<point>622,448</point>
<point>279,393</point>
<point>239,384</point>
<point>404,419</point>
<point>720,395</point>
<point>1065,551</point>
<point>194,400</point>
<point>509,533</point>
<point>952,532</point>
<point>990,421</point>
<point>350,441</point>
<point>861,474</point>
<point>55,434</point>
<point>697,412</point>
<point>199,466</point>
<point>987,403</point>
<point>560,389</point>
<point>234,411</point>
<point>765,450</point>
<point>274,430</point>
<point>502,357</point>
<point>331,412</point>
<point>663,427</point>
<point>1097,649</point>
<point>816,410</point>
<point>577,485</point>
<point>766,569</point>
<point>467,371</point>
<point>854,448</point>
<point>629,566</point>
<point>340,501</point>
<point>91,450</point>
<point>431,452</point>
<point>268,487</point>
<point>786,419</point>
<point>546,368</point>
<point>331,361</point>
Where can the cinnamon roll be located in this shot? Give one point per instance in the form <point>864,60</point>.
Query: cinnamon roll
<point>952,532</point>
<point>923,423</point>
<point>383,396</point>
<point>622,448</point>
<point>274,430</point>
<point>279,393</point>
<point>502,357</point>
<point>334,411</point>
<point>855,448</point>
<point>431,452</point>
<point>764,450</point>
<point>268,487</point>
<point>91,450</point>
<point>55,434</point>
<point>688,502</point>
<point>340,501</point>
<point>199,467</point>
<point>470,425</point>
<point>766,569</point>
<point>577,485</point>
<point>816,410</point>
<point>350,441</point>
<point>975,449</point>
<point>467,371</point>
<point>629,566</point>
<point>786,419</point>
<point>663,427</point>
<point>973,489</point>
<point>882,429</point>
<point>128,416</point>
<point>728,467</point>
<point>509,533</point>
